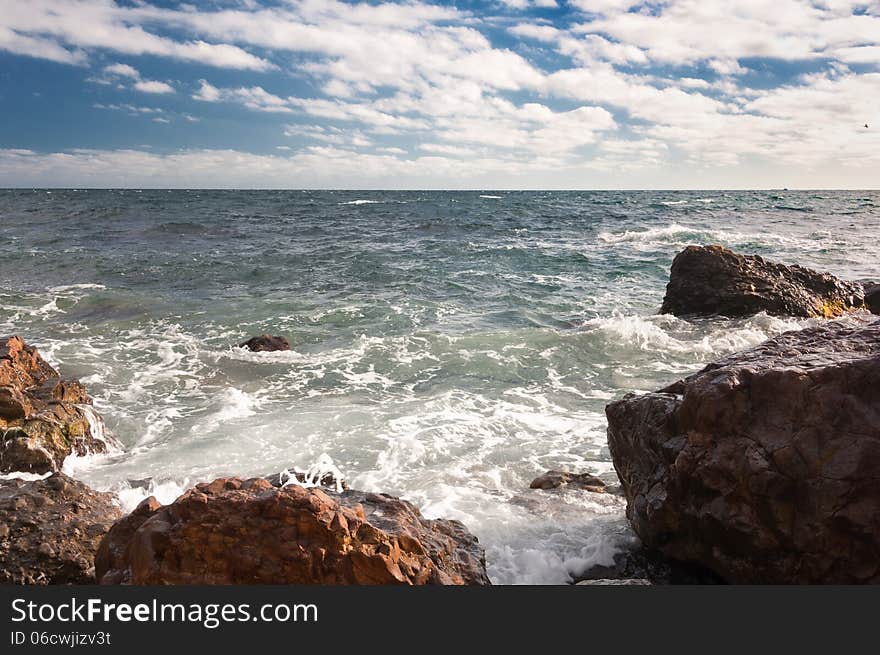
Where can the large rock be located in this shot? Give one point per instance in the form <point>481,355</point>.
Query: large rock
<point>43,418</point>
<point>712,280</point>
<point>234,531</point>
<point>50,530</point>
<point>266,343</point>
<point>763,466</point>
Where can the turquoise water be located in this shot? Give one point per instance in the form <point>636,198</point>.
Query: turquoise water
<point>447,346</point>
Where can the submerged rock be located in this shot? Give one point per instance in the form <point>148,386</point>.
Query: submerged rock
<point>715,281</point>
<point>43,418</point>
<point>266,343</point>
<point>763,466</point>
<point>50,530</point>
<point>234,531</point>
<point>556,479</point>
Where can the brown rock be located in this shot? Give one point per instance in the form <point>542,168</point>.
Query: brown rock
<point>556,479</point>
<point>763,466</point>
<point>715,281</point>
<point>50,530</point>
<point>234,531</point>
<point>43,418</point>
<point>21,365</point>
<point>265,343</point>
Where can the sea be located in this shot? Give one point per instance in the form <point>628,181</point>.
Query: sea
<point>447,347</point>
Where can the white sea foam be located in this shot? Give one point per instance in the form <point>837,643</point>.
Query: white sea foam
<point>314,474</point>
<point>361,202</point>
<point>23,475</point>
<point>166,492</point>
<point>492,197</point>
<point>650,234</point>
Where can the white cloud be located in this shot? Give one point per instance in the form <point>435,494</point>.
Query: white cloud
<point>387,73</point>
<point>207,92</point>
<point>122,70</point>
<point>39,47</point>
<point>152,86</point>
<point>59,25</point>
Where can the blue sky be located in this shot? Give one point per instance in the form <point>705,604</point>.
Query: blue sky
<point>506,94</point>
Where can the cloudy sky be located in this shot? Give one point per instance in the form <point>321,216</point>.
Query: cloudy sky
<point>502,94</point>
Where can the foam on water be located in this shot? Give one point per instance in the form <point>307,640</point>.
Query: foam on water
<point>447,348</point>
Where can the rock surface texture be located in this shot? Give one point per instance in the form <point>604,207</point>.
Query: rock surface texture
<point>43,418</point>
<point>556,479</point>
<point>764,466</point>
<point>715,281</point>
<point>265,343</point>
<point>50,530</point>
<point>234,531</point>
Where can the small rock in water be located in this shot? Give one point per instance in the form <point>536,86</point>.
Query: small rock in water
<point>266,343</point>
<point>556,479</point>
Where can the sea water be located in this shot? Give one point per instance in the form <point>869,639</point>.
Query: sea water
<point>448,347</point>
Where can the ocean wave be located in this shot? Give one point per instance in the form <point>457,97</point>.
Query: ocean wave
<point>361,202</point>
<point>711,337</point>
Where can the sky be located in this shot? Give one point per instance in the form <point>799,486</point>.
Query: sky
<point>506,94</point>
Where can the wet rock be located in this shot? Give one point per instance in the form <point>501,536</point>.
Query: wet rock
<point>715,281</point>
<point>234,531</point>
<point>43,418</point>
<point>556,479</point>
<point>763,466</point>
<point>265,343</point>
<point>50,530</point>
<point>647,566</point>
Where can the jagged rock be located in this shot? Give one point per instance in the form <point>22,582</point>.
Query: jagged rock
<point>265,343</point>
<point>715,281</point>
<point>50,530</point>
<point>234,531</point>
<point>556,479</point>
<point>763,466</point>
<point>43,418</point>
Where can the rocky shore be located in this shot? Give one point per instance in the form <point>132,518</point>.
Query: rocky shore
<point>43,418</point>
<point>760,468</point>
